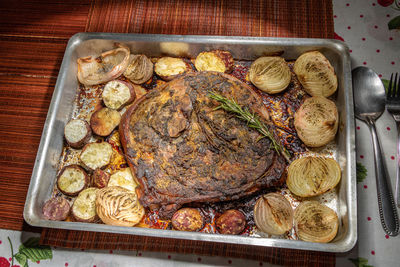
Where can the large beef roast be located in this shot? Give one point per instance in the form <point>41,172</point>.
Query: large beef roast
<point>182,150</point>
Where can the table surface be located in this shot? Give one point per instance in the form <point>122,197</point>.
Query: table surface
<point>363,25</point>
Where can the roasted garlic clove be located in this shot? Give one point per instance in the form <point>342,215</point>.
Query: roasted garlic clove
<point>118,206</point>
<point>315,222</point>
<point>316,74</point>
<point>216,60</point>
<point>139,70</point>
<point>316,121</point>
<point>108,66</point>
<point>312,176</point>
<point>270,74</point>
<point>273,214</point>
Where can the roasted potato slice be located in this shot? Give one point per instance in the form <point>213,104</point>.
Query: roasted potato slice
<point>187,219</point>
<point>116,94</point>
<point>169,67</point>
<point>104,121</point>
<point>231,222</point>
<point>100,178</point>
<point>56,209</point>
<point>77,133</point>
<point>96,155</point>
<point>123,178</point>
<point>84,207</point>
<point>139,70</point>
<point>72,180</point>
<point>216,60</point>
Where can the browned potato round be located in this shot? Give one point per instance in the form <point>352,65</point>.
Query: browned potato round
<point>116,94</point>
<point>72,180</point>
<point>56,209</point>
<point>100,178</point>
<point>84,207</point>
<point>104,121</point>
<point>231,222</point>
<point>77,133</point>
<point>187,219</point>
<point>96,155</point>
<point>169,67</point>
<point>216,60</point>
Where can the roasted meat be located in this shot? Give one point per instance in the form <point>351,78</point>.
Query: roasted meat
<point>181,149</point>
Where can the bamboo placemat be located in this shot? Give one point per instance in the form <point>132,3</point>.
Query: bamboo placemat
<point>33,37</point>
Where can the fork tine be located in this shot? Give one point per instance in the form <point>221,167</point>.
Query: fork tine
<point>396,87</point>
<point>390,90</point>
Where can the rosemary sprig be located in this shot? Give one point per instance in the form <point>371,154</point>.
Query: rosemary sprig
<point>252,120</point>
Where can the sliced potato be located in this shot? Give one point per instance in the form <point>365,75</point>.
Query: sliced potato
<point>56,209</point>
<point>315,222</point>
<point>77,133</point>
<point>72,180</point>
<point>96,155</point>
<point>116,205</point>
<point>104,121</point>
<point>116,94</point>
<point>216,60</point>
<point>312,176</point>
<point>187,219</point>
<point>84,207</point>
<point>123,178</point>
<point>139,70</point>
<point>100,178</point>
<point>169,67</point>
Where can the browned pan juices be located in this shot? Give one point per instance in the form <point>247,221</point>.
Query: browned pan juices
<point>281,108</point>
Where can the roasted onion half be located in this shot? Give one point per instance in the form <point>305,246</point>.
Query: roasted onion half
<point>273,214</point>
<point>108,66</point>
<point>270,74</point>
<point>118,206</point>
<point>139,70</point>
<point>315,222</point>
<point>316,121</point>
<point>312,176</point>
<point>316,74</point>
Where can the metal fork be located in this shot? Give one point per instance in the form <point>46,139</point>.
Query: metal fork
<point>393,107</point>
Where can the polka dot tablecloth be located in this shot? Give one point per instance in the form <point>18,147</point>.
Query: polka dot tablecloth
<point>367,27</point>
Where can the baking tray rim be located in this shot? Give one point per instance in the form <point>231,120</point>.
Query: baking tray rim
<point>343,245</point>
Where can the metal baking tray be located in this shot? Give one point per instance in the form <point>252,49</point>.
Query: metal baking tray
<point>244,48</point>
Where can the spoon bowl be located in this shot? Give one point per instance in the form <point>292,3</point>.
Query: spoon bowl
<point>369,94</point>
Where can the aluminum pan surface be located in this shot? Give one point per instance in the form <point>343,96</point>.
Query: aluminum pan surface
<point>60,111</point>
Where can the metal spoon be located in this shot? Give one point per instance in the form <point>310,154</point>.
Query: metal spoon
<point>369,100</point>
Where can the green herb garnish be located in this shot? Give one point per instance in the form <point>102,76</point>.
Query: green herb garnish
<point>252,120</point>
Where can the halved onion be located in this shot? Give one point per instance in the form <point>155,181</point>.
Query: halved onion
<point>118,206</point>
<point>316,74</point>
<point>108,66</point>
<point>273,214</point>
<point>312,176</point>
<point>316,121</point>
<point>270,74</point>
<point>315,222</point>
<point>139,70</point>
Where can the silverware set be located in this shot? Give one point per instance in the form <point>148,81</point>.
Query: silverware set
<point>370,100</point>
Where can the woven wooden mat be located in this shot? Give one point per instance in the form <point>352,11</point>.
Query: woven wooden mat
<point>33,37</point>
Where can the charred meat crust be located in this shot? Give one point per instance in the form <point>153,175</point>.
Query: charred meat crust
<point>182,150</point>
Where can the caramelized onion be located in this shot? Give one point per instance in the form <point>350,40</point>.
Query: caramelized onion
<point>273,214</point>
<point>312,176</point>
<point>316,121</point>
<point>315,222</point>
<point>270,74</point>
<point>118,206</point>
<point>316,74</point>
<point>108,66</point>
<point>139,70</point>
